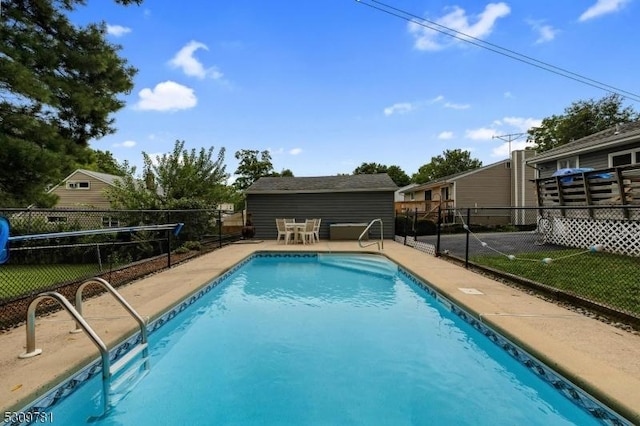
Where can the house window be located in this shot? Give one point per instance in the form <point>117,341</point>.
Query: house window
<point>110,222</point>
<point>624,158</point>
<point>412,196</point>
<point>57,219</point>
<point>568,163</point>
<point>507,165</point>
<point>427,195</point>
<point>78,185</point>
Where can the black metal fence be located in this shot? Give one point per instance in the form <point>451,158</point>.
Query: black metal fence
<point>588,255</point>
<point>59,249</point>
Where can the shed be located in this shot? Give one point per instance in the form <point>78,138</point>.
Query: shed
<point>334,199</point>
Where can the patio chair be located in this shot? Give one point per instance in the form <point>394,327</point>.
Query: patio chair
<point>283,231</point>
<point>316,230</point>
<point>307,234</point>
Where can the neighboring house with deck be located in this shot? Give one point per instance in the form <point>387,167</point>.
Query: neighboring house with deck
<point>615,147</point>
<point>336,200</point>
<point>506,183</point>
<point>607,179</point>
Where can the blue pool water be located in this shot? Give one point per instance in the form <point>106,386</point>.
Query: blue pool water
<point>297,340</point>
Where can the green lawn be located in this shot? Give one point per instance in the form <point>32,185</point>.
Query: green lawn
<point>19,279</point>
<point>609,279</point>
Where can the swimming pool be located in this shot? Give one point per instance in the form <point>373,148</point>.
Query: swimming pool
<point>302,339</point>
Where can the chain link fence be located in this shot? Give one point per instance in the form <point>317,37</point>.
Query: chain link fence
<point>57,250</point>
<point>589,256</point>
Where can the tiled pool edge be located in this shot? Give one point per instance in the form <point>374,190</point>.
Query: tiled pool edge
<point>559,382</point>
<point>562,384</point>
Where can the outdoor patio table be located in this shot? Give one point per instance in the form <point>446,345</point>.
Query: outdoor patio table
<point>296,227</point>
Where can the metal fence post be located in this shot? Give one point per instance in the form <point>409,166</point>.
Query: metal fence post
<point>219,228</point>
<point>168,249</point>
<point>438,231</point>
<point>466,248</point>
<point>415,225</point>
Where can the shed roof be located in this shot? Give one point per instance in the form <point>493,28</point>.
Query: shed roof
<point>614,136</point>
<point>343,183</point>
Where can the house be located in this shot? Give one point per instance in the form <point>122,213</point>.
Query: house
<point>605,166</point>
<point>84,189</point>
<point>614,147</point>
<point>598,201</point>
<point>506,183</point>
<point>353,199</point>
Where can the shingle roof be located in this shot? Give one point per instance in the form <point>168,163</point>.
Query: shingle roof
<point>346,183</point>
<point>613,136</point>
<point>105,177</point>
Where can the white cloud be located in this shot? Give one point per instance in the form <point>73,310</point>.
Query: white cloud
<point>126,144</point>
<point>517,124</point>
<point>295,151</point>
<point>522,124</point>
<point>457,20</point>
<point>445,135</point>
<point>457,106</point>
<point>602,7</point>
<point>117,30</point>
<point>483,133</point>
<point>399,108</point>
<point>437,99</point>
<point>546,33</point>
<point>185,60</point>
<point>167,96</point>
<point>508,95</point>
<point>502,151</point>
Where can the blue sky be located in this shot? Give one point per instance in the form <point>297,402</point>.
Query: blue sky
<point>327,85</point>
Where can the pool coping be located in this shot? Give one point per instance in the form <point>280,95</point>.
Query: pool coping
<point>477,320</point>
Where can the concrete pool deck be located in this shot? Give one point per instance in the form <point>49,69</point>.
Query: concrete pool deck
<point>601,359</point>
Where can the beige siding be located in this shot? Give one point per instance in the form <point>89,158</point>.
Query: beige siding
<point>490,187</point>
<point>82,198</point>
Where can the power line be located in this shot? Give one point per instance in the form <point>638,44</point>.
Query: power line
<point>434,26</point>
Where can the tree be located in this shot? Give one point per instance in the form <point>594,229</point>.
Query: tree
<point>580,119</point>
<point>180,179</point>
<point>398,175</point>
<point>59,85</point>
<point>283,173</point>
<point>449,163</point>
<point>103,162</point>
<point>252,167</point>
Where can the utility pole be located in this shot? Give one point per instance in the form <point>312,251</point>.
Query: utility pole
<point>509,138</point>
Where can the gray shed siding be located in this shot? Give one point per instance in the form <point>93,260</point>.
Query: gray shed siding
<point>331,207</point>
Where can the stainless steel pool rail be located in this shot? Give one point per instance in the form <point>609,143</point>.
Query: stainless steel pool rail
<point>108,369</point>
<point>380,242</point>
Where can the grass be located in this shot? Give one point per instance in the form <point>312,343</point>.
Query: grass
<point>21,279</point>
<point>608,279</point>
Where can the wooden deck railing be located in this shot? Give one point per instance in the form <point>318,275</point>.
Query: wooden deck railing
<point>612,186</point>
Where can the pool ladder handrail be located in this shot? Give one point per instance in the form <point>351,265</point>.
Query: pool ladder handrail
<point>108,370</point>
<point>380,243</point>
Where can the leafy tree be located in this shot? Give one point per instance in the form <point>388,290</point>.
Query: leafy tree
<point>253,165</point>
<point>398,175</point>
<point>449,163</point>
<point>103,161</point>
<point>59,85</point>
<point>370,169</point>
<point>283,173</point>
<point>181,177</point>
<point>580,119</point>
